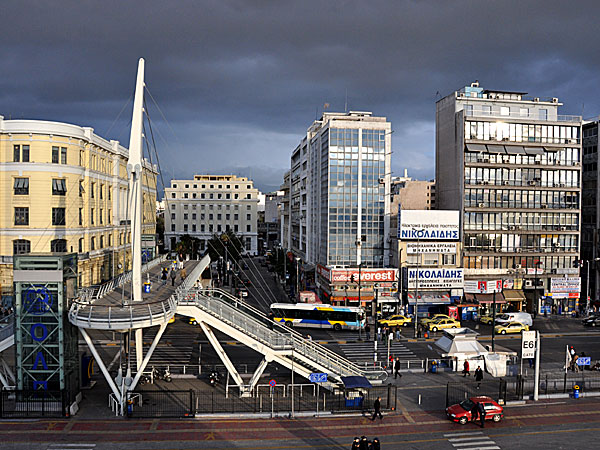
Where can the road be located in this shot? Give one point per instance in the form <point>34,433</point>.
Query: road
<point>566,424</point>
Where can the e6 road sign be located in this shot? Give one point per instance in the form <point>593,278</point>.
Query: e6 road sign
<point>317,377</point>
<point>528,344</point>
<point>584,361</point>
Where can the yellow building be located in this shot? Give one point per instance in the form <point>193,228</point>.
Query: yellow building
<point>64,189</point>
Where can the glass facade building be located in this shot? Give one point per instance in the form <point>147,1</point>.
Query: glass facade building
<point>339,191</point>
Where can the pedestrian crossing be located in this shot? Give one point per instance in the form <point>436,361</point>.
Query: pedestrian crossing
<point>364,351</point>
<point>471,440</point>
<point>71,446</point>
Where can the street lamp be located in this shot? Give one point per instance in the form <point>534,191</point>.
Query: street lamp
<point>417,285</point>
<point>297,277</point>
<point>587,286</point>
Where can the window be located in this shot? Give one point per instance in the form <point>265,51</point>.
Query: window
<point>93,188</point>
<point>108,192</point>
<point>21,186</point>
<point>236,217</point>
<point>172,227</point>
<point>58,245</point>
<point>21,216</point>
<point>59,186</point>
<point>93,245</point>
<point>101,191</point>
<point>248,207</point>
<point>173,195</point>
<point>110,240</point>
<point>63,156</point>
<point>236,228</point>
<point>248,244</point>
<point>81,190</point>
<point>21,247</point>
<point>58,216</point>
<point>92,217</point>
<point>543,114</point>
<point>504,110</point>
<point>80,216</point>
<point>227,216</point>
<point>248,228</point>
<point>80,249</point>
<point>16,153</point>
<point>185,227</point>
<point>185,217</point>
<point>109,216</point>
<point>218,216</point>
<point>25,154</point>
<point>101,241</point>
<point>227,196</point>
<point>248,216</point>
<point>248,196</point>
<point>193,216</point>
<point>101,217</point>
<point>194,227</point>
<point>54,155</point>
<point>173,216</point>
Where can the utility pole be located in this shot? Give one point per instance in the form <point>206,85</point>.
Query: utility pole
<point>536,384</point>
<point>417,287</point>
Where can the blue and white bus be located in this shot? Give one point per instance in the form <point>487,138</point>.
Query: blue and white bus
<point>317,315</point>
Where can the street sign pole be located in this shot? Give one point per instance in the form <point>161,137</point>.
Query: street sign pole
<point>317,399</point>
<point>536,386</point>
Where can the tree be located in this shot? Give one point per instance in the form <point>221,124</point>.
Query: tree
<point>228,240</point>
<point>188,245</point>
<point>160,233</point>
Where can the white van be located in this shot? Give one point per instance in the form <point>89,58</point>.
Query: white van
<point>521,317</point>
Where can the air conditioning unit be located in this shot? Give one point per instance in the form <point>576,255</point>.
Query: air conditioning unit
<point>531,183</point>
<point>462,94</point>
<point>576,163</point>
<point>505,183</point>
<point>512,227</point>
<point>544,206</point>
<point>486,182</point>
<point>519,250</point>
<point>536,99</point>
<point>554,100</point>
<point>517,266</point>
<point>553,271</point>
<point>481,205</point>
<point>538,162</point>
<point>562,184</point>
<point>505,139</point>
<point>528,283</point>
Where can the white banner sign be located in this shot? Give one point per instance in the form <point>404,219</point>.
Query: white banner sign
<point>429,225</point>
<point>436,278</point>
<point>483,287</point>
<point>430,247</point>
<point>528,344</point>
<point>565,285</point>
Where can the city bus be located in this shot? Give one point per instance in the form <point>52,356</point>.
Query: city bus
<point>319,316</point>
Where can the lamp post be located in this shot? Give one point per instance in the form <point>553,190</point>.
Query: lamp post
<point>587,285</point>
<point>417,285</point>
<point>297,277</point>
<point>536,265</point>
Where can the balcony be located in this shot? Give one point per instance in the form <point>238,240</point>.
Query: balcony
<point>480,112</point>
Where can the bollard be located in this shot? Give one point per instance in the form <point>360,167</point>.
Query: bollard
<point>576,391</point>
<point>419,399</point>
<point>434,366</point>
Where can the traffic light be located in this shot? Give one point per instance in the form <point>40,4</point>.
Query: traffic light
<point>352,278</point>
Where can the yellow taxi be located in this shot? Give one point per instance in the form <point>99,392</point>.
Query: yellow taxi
<point>434,318</point>
<point>511,327</point>
<point>486,319</point>
<point>443,324</point>
<point>397,320</point>
<point>172,319</point>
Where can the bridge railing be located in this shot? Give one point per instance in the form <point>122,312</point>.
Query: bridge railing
<point>7,327</point>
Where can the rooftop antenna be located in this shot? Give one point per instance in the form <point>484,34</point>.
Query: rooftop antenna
<point>346,103</point>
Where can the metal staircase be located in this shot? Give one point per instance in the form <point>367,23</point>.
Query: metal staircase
<point>249,326</point>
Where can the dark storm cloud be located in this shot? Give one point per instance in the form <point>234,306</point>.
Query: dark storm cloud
<point>240,81</point>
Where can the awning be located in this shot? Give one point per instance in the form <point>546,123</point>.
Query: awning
<point>489,298</point>
<point>496,149</point>
<point>356,382</point>
<point>430,298</point>
<point>514,295</point>
<point>534,150</point>
<point>515,149</point>
<point>476,148</point>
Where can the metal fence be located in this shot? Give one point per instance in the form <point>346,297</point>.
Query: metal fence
<point>33,404</point>
<point>160,403</point>
<point>555,383</point>
<point>456,392</point>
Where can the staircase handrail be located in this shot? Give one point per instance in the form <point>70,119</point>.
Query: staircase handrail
<point>7,327</point>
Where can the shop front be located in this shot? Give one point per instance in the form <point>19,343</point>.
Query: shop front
<point>515,299</point>
<point>429,303</point>
<point>565,293</point>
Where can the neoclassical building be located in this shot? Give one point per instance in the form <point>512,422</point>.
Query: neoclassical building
<point>64,189</point>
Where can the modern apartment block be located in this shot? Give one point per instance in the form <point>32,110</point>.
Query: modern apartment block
<point>339,185</point>
<point>210,205</point>
<point>64,189</point>
<point>590,218</point>
<point>512,166</point>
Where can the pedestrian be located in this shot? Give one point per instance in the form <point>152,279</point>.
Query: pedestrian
<point>355,444</point>
<point>481,411</point>
<point>183,274</point>
<point>391,337</point>
<point>368,331</point>
<point>164,275</point>
<point>375,445</point>
<point>466,369</point>
<point>378,333</point>
<point>397,369</point>
<point>478,376</point>
<point>398,333</point>
<point>377,408</point>
<point>173,276</point>
<point>575,366</point>
<point>364,443</point>
<point>530,362</point>
<point>474,412</point>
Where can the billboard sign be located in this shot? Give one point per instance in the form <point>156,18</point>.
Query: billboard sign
<point>436,278</point>
<point>366,275</point>
<point>528,344</point>
<point>565,287</point>
<point>430,247</point>
<point>483,287</point>
<point>430,225</point>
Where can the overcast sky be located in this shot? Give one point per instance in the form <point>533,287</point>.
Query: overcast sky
<point>239,82</point>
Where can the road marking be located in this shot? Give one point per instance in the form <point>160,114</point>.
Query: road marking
<point>475,440</point>
<point>464,433</point>
<point>70,446</point>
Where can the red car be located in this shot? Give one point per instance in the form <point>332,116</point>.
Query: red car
<point>461,412</point>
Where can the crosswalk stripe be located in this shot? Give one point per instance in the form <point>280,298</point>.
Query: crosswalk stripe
<point>463,433</point>
<point>474,440</point>
<point>463,445</point>
<point>491,447</point>
<point>467,438</point>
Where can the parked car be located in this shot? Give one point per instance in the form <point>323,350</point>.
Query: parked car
<point>435,317</point>
<point>511,327</point>
<point>521,317</point>
<point>592,321</point>
<point>397,320</point>
<point>443,324</point>
<point>461,412</point>
<point>486,319</point>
